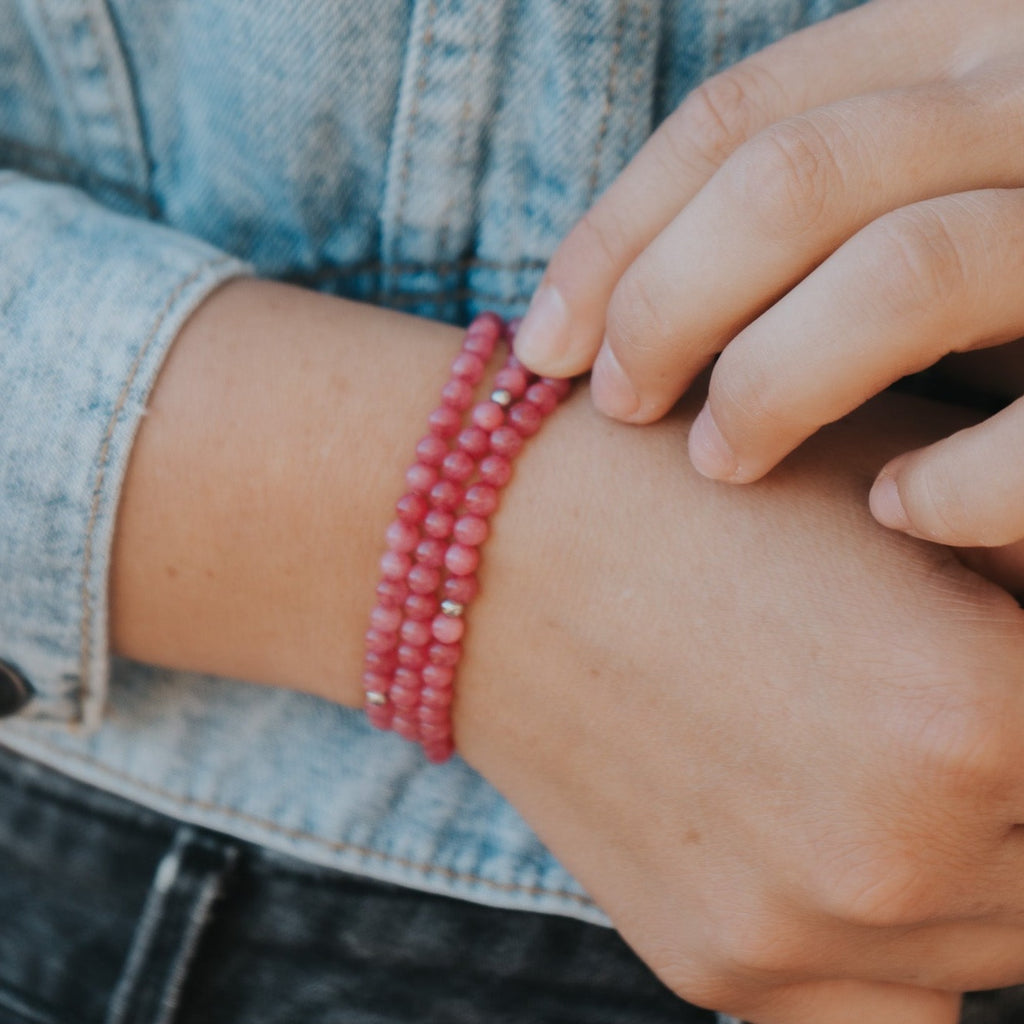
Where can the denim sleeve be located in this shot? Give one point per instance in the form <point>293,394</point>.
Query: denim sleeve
<point>90,302</point>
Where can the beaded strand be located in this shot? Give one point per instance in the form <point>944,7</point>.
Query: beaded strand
<point>413,645</point>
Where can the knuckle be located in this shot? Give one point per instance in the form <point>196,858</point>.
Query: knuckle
<point>747,399</point>
<point>879,888</point>
<point>758,948</point>
<point>917,261</point>
<point>937,502</point>
<point>598,232</point>
<point>637,321</point>
<point>786,177</point>
<point>717,117</point>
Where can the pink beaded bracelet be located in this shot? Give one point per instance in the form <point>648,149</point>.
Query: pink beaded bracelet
<point>413,645</point>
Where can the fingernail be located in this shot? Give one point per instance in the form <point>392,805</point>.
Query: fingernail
<point>543,336</point>
<point>886,504</point>
<point>613,391</point>
<point>709,451</point>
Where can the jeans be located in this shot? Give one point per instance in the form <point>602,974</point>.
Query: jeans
<point>113,914</point>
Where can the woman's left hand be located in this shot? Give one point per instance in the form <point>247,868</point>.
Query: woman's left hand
<point>841,209</point>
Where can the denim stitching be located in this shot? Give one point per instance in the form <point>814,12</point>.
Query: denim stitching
<point>719,48</point>
<point>101,468</point>
<point>336,846</point>
<point>421,83</point>
<point>443,267</point>
<point>609,99</point>
<point>460,145</point>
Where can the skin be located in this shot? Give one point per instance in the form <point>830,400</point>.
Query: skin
<point>862,185</point>
<point>776,743</point>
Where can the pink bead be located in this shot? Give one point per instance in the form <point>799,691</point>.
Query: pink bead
<point>487,324</point>
<point>378,640</point>
<point>424,579</point>
<point>445,422</point>
<point>431,450</point>
<point>444,654</point>
<point>384,663</point>
<point>439,751</point>
<point>432,698</point>
<point>513,379</point>
<point>461,560</point>
<point>411,657</point>
<point>406,726</point>
<point>402,536</point>
<point>507,441</point>
<point>409,678</point>
<point>411,508</point>
<point>430,551</point>
<point>438,524</point>
<point>526,418</point>
<point>496,470</point>
<point>470,530</point>
<point>481,500</point>
<point>461,588</point>
<point>447,630</point>
<point>457,394</point>
<point>438,677</point>
<point>386,619</point>
<point>395,565</point>
<point>416,633</point>
<point>474,441</point>
<point>542,395</point>
<point>431,733</point>
<point>379,717</point>
<point>421,607</point>
<point>421,478</point>
<point>468,367</point>
<point>458,466</point>
<point>432,716</point>
<point>392,592</point>
<point>480,343</point>
<point>446,495</point>
<point>488,416</point>
<point>560,385</point>
<point>375,682</point>
<point>403,699</point>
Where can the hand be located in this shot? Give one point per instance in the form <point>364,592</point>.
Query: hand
<point>778,745</point>
<point>834,212</point>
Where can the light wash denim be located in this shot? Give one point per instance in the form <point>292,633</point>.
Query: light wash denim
<point>421,154</point>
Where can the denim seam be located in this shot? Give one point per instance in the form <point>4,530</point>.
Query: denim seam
<point>443,267</point>
<point>460,145</point>
<point>101,463</point>
<point>609,99</point>
<point>426,42</point>
<point>338,846</point>
<point>719,47</point>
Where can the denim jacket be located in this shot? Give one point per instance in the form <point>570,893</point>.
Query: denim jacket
<point>421,154</point>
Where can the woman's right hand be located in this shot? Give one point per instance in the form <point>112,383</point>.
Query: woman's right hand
<point>777,743</point>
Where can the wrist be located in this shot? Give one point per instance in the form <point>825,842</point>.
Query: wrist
<point>261,482</point>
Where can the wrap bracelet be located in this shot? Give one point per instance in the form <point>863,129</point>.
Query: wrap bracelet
<point>414,643</point>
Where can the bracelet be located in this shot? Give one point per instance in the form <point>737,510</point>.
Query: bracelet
<point>414,642</point>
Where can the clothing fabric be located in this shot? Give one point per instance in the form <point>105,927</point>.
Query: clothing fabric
<point>425,155</point>
<point>151,921</point>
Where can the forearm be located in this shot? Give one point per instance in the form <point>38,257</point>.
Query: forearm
<point>262,480</point>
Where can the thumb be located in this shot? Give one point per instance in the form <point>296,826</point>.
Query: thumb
<point>854,1002</point>
<point>966,490</point>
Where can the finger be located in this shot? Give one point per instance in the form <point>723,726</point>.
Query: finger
<point>1003,566</point>
<point>852,1002</point>
<point>902,293</point>
<point>966,490</point>
<point>857,52</point>
<point>778,207</point>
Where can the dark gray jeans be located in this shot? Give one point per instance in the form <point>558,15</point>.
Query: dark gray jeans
<point>111,914</point>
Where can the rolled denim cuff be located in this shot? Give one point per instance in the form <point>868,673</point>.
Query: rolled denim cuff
<point>90,302</point>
